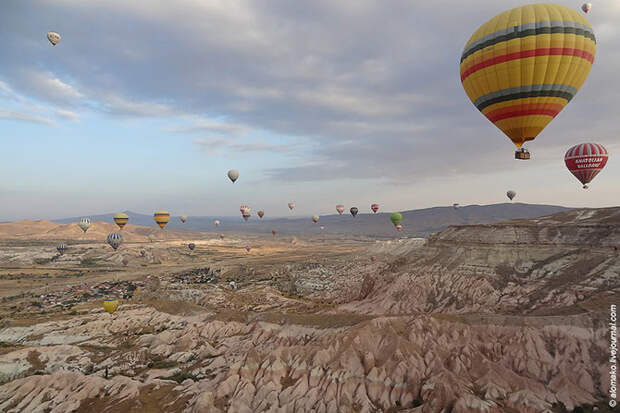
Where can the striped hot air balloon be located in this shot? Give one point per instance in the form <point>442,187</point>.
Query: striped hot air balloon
<point>84,224</point>
<point>374,208</point>
<point>121,219</point>
<point>585,161</point>
<point>161,218</point>
<point>61,248</point>
<point>115,239</point>
<point>522,67</point>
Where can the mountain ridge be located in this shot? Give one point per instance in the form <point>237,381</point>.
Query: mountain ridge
<point>417,222</point>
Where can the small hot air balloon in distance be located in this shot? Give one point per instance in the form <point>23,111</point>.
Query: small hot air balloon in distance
<point>121,219</point>
<point>125,261</point>
<point>340,209</point>
<point>273,232</point>
<point>373,258</point>
<point>115,239</point>
<point>248,248</point>
<point>84,224</point>
<point>191,246</point>
<point>517,77</point>
<point>142,253</point>
<point>221,236</point>
<point>396,218</point>
<point>161,218</point>
<point>110,306</point>
<point>183,218</point>
<point>315,219</point>
<point>586,7</point>
<point>585,161</point>
<point>291,205</point>
<point>374,208</point>
<point>245,212</point>
<point>261,214</point>
<point>455,206</point>
<point>399,227</point>
<point>233,175</point>
<point>217,223</point>
<point>353,211</point>
<point>61,248</point>
<point>54,38</point>
<point>511,194</point>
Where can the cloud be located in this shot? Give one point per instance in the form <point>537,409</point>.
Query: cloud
<point>67,115</point>
<point>118,105</point>
<point>372,90</point>
<point>206,126</point>
<point>215,146</point>
<point>24,117</point>
<point>45,85</point>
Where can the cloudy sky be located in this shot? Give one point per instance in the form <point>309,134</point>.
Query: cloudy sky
<point>147,104</point>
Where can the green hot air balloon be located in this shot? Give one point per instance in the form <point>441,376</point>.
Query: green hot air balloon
<point>396,217</point>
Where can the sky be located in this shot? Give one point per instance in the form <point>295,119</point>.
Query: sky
<point>146,105</point>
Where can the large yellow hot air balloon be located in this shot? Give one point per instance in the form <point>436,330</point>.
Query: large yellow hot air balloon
<point>524,65</point>
<point>121,219</point>
<point>161,218</point>
<point>110,305</point>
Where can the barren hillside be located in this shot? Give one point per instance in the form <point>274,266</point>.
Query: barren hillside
<point>507,317</point>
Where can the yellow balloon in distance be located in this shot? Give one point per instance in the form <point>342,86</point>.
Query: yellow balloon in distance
<point>121,219</point>
<point>524,65</point>
<point>110,305</point>
<point>161,218</point>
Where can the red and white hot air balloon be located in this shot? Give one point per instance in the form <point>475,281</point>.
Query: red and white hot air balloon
<point>399,227</point>
<point>585,161</point>
<point>374,207</point>
<point>586,7</point>
<point>340,209</point>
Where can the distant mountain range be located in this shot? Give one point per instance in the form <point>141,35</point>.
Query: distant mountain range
<point>416,223</point>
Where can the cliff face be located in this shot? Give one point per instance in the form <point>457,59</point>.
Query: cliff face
<point>542,266</point>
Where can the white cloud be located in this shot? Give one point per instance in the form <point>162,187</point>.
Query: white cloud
<point>119,105</point>
<point>48,86</point>
<point>24,117</point>
<point>203,125</point>
<point>67,115</point>
<point>214,146</point>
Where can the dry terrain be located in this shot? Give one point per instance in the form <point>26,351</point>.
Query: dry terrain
<point>507,317</point>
